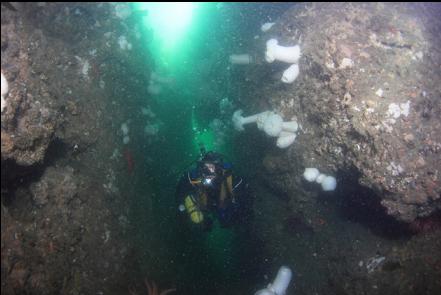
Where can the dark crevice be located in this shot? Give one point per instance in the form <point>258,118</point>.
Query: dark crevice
<point>14,176</point>
<point>362,205</point>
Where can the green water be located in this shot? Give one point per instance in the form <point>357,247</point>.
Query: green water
<point>197,262</point>
<point>190,258</point>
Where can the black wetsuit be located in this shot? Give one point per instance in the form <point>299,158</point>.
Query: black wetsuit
<point>236,208</point>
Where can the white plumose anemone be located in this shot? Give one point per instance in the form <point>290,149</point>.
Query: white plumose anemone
<point>291,74</point>
<point>288,54</point>
<point>311,174</point>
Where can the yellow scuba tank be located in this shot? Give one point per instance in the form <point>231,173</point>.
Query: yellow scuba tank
<point>192,209</point>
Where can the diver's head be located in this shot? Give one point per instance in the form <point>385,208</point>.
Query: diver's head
<point>210,169</point>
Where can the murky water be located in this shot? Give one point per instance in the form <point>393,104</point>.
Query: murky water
<point>325,116</point>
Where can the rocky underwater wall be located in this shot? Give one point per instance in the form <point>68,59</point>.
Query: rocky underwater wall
<point>367,102</point>
<point>67,176</point>
<point>366,99</point>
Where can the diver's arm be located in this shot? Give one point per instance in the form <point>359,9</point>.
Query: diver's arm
<point>183,188</point>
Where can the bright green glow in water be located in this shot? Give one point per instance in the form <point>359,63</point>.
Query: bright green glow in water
<point>203,136</point>
<point>169,21</point>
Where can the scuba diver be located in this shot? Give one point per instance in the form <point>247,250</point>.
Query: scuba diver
<point>211,190</point>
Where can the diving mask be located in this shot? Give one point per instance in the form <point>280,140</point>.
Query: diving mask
<point>208,174</point>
